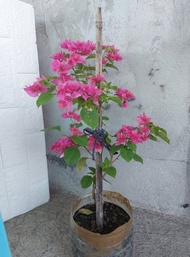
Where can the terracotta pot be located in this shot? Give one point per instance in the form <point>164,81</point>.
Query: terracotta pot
<point>118,243</point>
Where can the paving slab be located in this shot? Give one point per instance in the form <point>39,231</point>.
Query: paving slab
<point>44,232</point>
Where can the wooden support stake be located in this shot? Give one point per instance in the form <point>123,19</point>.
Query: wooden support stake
<point>99,178</point>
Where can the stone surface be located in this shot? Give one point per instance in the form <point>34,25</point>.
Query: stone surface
<point>44,232</point>
<point>23,168</point>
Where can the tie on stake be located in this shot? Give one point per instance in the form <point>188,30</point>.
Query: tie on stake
<point>99,135</point>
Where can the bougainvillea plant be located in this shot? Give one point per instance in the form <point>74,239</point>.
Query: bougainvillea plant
<point>82,96</point>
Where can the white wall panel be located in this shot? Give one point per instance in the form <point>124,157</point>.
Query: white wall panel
<point>23,169</point>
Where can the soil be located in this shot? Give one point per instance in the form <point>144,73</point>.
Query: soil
<point>113,215</point>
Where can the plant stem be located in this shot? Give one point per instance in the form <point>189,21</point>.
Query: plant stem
<point>99,178</point>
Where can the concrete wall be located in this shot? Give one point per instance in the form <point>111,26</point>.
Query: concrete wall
<point>23,167</point>
<point>154,38</point>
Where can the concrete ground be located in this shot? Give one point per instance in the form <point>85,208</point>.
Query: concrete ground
<point>44,232</point>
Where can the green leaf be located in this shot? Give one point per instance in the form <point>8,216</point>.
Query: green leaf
<point>111,66</point>
<point>92,169</point>
<point>107,162</point>
<point>81,163</point>
<point>105,118</point>
<point>77,72</point>
<point>108,49</point>
<point>104,97</point>
<point>137,158</point>
<point>150,125</point>
<point>78,125</point>
<point>108,140</point>
<point>90,117</point>
<point>91,56</point>
<point>115,99</point>
<point>155,130</point>
<point>91,173</point>
<point>86,181</point>
<point>90,68</point>
<point>85,211</point>
<point>163,130</point>
<point>106,181</point>
<point>80,140</point>
<point>47,84</point>
<point>115,148</point>
<point>163,136</point>
<point>132,146</point>
<point>126,154</point>
<point>80,101</point>
<point>111,171</point>
<point>71,155</point>
<point>52,128</point>
<point>102,165</point>
<point>153,138</point>
<point>44,98</point>
<point>115,88</point>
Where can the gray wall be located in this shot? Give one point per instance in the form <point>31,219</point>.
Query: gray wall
<point>154,38</point>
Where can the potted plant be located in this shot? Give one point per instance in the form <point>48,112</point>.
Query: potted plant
<point>83,91</point>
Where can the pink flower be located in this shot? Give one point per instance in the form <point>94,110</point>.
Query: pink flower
<point>135,136</point>
<point>125,95</point>
<point>84,48</point>
<point>75,131</point>
<point>69,45</point>
<point>36,88</point>
<point>65,77</point>
<point>72,115</point>
<point>143,119</point>
<point>66,92</point>
<point>64,103</point>
<point>121,138</point>
<point>144,129</point>
<point>112,53</point>
<point>62,144</point>
<point>98,146</point>
<point>123,134</point>
<point>145,132</point>
<point>74,59</point>
<point>104,61</point>
<point>60,56</point>
<point>110,48</point>
<point>60,67</point>
<point>68,89</point>
<point>96,79</point>
<point>89,91</point>
<point>114,57</point>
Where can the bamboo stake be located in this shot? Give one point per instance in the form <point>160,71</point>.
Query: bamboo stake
<point>99,178</point>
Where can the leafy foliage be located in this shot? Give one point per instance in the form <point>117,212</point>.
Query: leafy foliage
<point>83,94</point>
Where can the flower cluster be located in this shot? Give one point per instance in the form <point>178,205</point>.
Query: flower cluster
<point>136,135</point>
<point>82,95</point>
<point>79,47</point>
<point>36,88</point>
<point>70,90</point>
<point>62,144</point>
<point>125,95</point>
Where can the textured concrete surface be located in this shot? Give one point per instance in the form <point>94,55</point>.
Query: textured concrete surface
<point>154,40</point>
<point>22,145</point>
<point>44,232</point>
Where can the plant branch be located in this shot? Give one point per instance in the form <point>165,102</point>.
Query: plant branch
<point>116,158</point>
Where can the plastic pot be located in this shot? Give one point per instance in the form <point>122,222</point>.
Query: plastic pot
<point>118,243</point>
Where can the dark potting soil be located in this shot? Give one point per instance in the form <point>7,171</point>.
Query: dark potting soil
<point>114,217</point>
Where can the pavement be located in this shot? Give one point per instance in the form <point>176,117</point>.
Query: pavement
<point>44,232</point>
